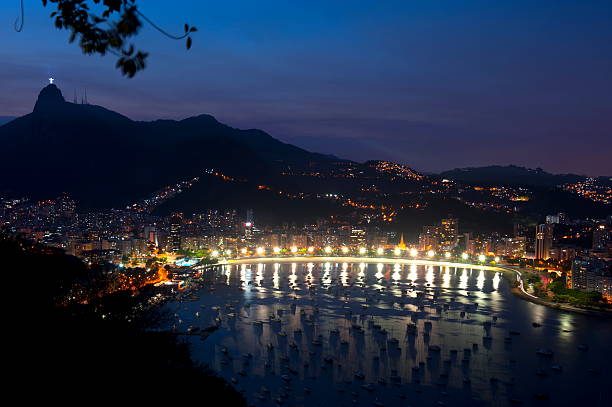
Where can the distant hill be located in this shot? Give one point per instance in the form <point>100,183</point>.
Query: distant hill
<point>104,159</point>
<point>509,175</point>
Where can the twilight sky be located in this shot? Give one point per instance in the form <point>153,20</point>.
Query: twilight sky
<point>432,84</point>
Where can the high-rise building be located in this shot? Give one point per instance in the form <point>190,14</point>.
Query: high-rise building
<point>358,237</point>
<point>477,245</point>
<point>512,247</point>
<point>591,274</point>
<point>448,232</point>
<point>552,219</point>
<point>249,216</point>
<point>543,243</point>
<point>563,253</point>
<point>174,237</point>
<point>298,240</point>
<point>151,234</point>
<point>464,241</point>
<point>600,236</point>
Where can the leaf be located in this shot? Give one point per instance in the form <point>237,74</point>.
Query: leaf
<point>188,42</point>
<point>193,29</point>
<point>186,28</point>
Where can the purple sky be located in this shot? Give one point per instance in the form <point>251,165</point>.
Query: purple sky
<point>434,85</point>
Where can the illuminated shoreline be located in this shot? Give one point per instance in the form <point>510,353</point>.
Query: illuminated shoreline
<point>350,259</point>
<point>385,260</point>
<point>520,289</point>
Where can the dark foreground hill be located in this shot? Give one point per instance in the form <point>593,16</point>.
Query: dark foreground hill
<point>76,353</point>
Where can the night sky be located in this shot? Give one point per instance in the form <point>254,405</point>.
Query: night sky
<point>431,84</point>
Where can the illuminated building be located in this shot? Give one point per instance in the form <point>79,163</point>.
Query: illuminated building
<point>300,241</point>
<point>151,234</point>
<point>249,216</point>
<point>174,237</point>
<point>449,230</point>
<point>601,236</point>
<point>552,219</point>
<point>563,253</point>
<point>543,244</point>
<point>512,247</point>
<point>358,237</point>
<point>428,240</point>
<point>196,243</point>
<point>443,236</point>
<point>591,274</point>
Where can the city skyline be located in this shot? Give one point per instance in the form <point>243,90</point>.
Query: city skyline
<point>426,82</point>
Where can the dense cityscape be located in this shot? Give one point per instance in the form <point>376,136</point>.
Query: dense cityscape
<point>576,251</point>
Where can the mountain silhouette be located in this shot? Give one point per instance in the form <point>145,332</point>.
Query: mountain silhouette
<point>510,175</point>
<point>105,159</point>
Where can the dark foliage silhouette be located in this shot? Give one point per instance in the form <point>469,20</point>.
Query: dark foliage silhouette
<point>109,31</point>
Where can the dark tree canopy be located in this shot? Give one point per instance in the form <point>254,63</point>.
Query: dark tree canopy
<point>109,31</point>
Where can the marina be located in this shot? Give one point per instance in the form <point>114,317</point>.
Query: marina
<point>388,334</point>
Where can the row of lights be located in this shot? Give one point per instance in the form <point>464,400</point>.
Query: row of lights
<point>345,250</point>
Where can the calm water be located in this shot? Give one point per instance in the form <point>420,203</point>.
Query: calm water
<point>336,334</point>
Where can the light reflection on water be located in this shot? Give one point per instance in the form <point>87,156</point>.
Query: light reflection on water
<point>323,326</point>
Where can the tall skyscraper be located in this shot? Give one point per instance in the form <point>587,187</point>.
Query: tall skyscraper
<point>544,238</point>
<point>250,218</point>
<point>449,231</point>
<point>358,237</point>
<point>174,238</point>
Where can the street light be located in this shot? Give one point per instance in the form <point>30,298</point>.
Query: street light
<point>260,251</point>
<point>243,251</point>
<point>328,250</point>
<point>380,251</point>
<point>414,252</point>
<point>345,250</point>
<point>481,257</point>
<point>228,252</point>
<point>310,249</point>
<point>397,252</point>
<point>430,253</point>
<point>362,250</point>
<point>447,255</point>
<point>294,249</point>
<point>496,259</point>
<point>465,256</point>
<point>214,253</point>
<point>277,250</point>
